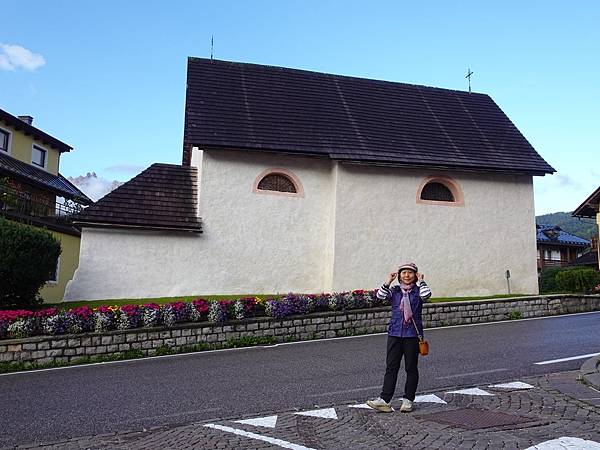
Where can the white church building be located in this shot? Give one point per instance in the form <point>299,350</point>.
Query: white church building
<point>297,181</point>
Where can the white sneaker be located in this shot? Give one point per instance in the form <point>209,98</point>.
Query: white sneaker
<point>380,405</point>
<point>406,405</point>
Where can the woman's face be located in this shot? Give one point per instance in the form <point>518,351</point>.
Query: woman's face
<point>407,276</point>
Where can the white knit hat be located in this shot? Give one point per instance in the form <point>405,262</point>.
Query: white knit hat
<point>409,266</point>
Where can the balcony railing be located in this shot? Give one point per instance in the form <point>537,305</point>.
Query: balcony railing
<point>24,205</point>
<point>551,263</point>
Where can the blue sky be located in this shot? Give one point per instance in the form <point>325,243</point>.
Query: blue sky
<point>108,77</point>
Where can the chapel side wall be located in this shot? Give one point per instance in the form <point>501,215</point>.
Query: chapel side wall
<point>462,250</point>
<point>251,243</point>
<point>132,264</point>
<point>264,243</point>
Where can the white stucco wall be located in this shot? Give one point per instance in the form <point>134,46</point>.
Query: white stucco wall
<point>252,243</point>
<point>352,226</point>
<point>461,250</point>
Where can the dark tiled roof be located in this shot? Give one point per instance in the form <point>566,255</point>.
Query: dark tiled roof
<point>57,184</point>
<point>549,234</point>
<point>248,106</point>
<point>30,130</point>
<point>590,205</point>
<point>163,196</point>
<point>589,259</point>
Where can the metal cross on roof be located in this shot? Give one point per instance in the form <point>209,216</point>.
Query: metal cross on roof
<point>469,73</point>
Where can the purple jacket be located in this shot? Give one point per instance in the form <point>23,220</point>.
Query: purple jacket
<point>398,327</point>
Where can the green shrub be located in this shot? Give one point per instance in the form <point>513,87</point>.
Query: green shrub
<point>514,315</point>
<point>577,280</point>
<point>28,257</point>
<point>547,280</point>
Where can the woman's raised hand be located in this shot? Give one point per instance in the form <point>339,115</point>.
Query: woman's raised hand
<point>392,277</point>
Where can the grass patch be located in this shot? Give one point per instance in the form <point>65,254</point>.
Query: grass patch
<point>20,366</point>
<point>246,341</point>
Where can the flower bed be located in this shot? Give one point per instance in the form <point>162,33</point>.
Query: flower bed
<point>83,319</point>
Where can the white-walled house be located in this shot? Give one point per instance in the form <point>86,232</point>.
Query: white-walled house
<point>311,182</point>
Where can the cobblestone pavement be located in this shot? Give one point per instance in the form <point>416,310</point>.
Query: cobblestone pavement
<point>557,405</point>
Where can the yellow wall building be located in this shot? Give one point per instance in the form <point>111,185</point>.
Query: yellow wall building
<point>33,191</point>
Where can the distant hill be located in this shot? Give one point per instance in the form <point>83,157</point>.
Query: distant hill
<point>585,228</point>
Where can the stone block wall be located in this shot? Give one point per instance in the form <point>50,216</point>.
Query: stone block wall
<point>66,348</point>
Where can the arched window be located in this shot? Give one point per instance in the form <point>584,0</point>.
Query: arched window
<point>436,191</point>
<point>276,182</point>
<point>440,190</point>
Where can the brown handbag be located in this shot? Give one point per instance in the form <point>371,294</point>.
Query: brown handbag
<point>423,344</point>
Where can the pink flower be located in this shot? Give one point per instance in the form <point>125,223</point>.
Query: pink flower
<point>201,305</point>
<point>130,310</point>
<point>151,306</point>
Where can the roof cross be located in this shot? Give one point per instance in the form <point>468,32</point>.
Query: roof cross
<point>469,73</point>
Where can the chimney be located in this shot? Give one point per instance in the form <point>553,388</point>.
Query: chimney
<point>27,119</point>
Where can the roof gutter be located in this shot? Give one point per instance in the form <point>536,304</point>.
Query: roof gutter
<point>135,227</point>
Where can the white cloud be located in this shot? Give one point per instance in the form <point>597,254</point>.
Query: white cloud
<point>94,187</point>
<point>16,57</point>
<point>566,181</point>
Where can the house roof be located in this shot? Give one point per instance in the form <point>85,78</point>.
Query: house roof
<point>36,133</point>
<point>57,184</point>
<point>590,206</point>
<point>589,259</point>
<point>164,196</point>
<point>232,105</point>
<point>549,234</point>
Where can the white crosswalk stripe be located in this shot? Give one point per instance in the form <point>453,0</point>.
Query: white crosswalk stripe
<point>267,422</point>
<point>471,391</point>
<point>328,413</point>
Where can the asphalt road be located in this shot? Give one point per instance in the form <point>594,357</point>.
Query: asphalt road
<point>49,405</point>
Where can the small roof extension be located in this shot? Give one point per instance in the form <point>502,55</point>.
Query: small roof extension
<point>550,234</point>
<point>240,106</point>
<point>164,196</point>
<point>590,206</point>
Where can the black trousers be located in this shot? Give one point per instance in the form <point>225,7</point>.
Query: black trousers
<point>397,348</point>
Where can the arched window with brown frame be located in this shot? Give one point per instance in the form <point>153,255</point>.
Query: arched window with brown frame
<point>440,190</point>
<point>278,181</point>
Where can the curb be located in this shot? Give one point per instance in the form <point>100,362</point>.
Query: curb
<point>590,372</point>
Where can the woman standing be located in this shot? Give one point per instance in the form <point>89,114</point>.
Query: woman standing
<point>403,338</point>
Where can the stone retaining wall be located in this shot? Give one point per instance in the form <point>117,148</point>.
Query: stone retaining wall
<point>66,348</point>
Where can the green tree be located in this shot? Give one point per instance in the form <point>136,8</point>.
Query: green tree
<point>28,257</point>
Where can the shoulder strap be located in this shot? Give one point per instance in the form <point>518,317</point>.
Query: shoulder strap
<point>416,329</point>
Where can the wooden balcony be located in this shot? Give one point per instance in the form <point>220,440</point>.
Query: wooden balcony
<point>25,207</point>
<point>543,263</point>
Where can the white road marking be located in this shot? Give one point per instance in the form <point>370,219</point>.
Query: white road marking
<point>566,443</point>
<point>513,385</point>
<point>259,437</point>
<point>552,361</point>
<point>472,391</point>
<point>267,422</point>
<point>328,413</point>
<point>471,373</point>
<point>429,398</point>
<point>361,405</point>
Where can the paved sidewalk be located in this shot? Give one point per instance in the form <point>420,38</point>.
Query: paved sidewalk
<point>590,372</point>
<point>518,417</point>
